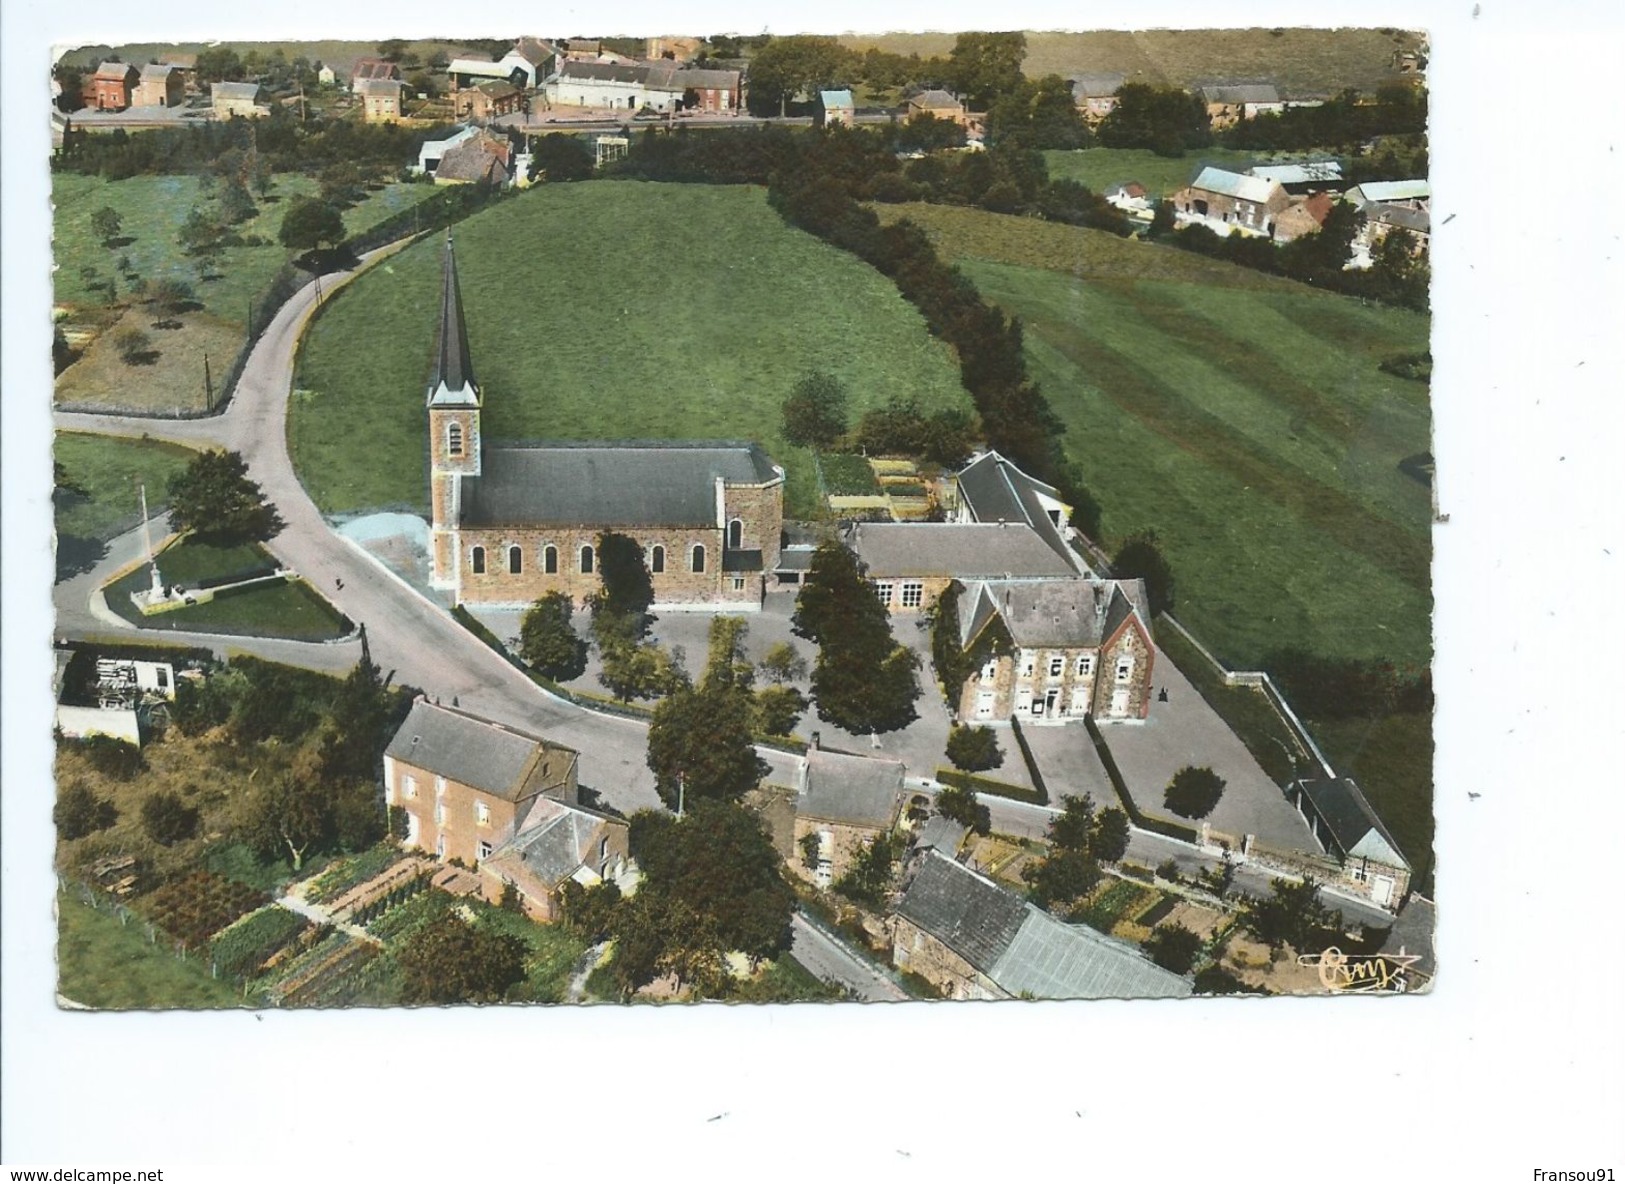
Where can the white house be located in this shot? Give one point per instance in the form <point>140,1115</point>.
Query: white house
<point>431,152</point>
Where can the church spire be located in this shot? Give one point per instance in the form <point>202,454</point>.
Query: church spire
<point>452,383</point>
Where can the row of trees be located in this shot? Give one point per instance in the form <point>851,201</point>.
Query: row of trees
<point>815,416</point>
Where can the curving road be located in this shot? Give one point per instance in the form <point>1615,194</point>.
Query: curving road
<point>408,634</point>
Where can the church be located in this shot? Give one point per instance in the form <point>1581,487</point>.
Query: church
<point>510,523</point>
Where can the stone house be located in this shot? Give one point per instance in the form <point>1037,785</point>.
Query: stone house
<point>161,85</point>
<point>843,803</point>
<point>233,99</point>
<point>911,564</point>
<point>468,785</point>
<point>1066,649</point>
<point>380,99</point>
<point>1384,218</point>
<point>659,86</point>
<point>938,104</point>
<point>112,85</point>
<point>973,939</point>
<point>1228,105</point>
<point>837,107</point>
<point>559,842</point>
<point>1095,95</point>
<point>488,100</point>
<point>1348,829</point>
<point>512,523</point>
<point>1231,203</point>
<point>992,489</point>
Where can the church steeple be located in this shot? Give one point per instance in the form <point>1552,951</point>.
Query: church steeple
<point>452,382</point>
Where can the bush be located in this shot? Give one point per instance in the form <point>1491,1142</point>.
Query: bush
<point>974,749</point>
<point>1216,980</point>
<point>1194,792</point>
<point>1168,870</point>
<point>79,812</point>
<point>1173,947</point>
<point>111,757</point>
<point>167,820</point>
<point>133,345</point>
<point>960,804</point>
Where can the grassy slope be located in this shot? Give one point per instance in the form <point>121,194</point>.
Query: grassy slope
<point>341,55</point>
<point>603,310</point>
<point>1101,168</point>
<point>102,963</point>
<point>110,470</point>
<point>1241,416</point>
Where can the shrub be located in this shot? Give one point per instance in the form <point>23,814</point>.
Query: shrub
<point>111,757</point>
<point>1194,792</point>
<point>79,812</point>
<point>133,345</point>
<point>1168,870</point>
<point>974,749</point>
<point>1216,980</point>
<point>1173,947</point>
<point>167,820</point>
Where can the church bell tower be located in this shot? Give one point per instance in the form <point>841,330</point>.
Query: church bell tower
<point>454,426</point>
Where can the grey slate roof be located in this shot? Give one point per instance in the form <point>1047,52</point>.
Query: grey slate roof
<point>993,489</point>
<point>236,90</point>
<point>941,834</point>
<point>935,100</point>
<point>963,550</point>
<point>1085,86</point>
<point>1051,960</point>
<point>452,381</point>
<point>1040,613</point>
<point>972,916</point>
<point>857,790</point>
<point>663,75</point>
<point>556,841</point>
<point>476,752</point>
<point>613,483</point>
<point>1416,221</point>
<point>1354,825</point>
<point>1246,92</point>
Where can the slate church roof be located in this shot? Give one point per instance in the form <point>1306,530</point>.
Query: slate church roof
<point>452,382</point>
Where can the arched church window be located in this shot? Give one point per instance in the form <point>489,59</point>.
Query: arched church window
<point>657,560</point>
<point>736,535</point>
<point>476,560</point>
<point>515,561</point>
<point>550,559</point>
<point>586,560</point>
<point>454,439</point>
<point>696,560</point>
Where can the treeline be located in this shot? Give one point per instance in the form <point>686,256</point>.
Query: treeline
<point>1349,688</point>
<point>818,182</point>
<point>1347,119</point>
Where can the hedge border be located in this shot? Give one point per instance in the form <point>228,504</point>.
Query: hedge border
<point>1000,789</point>
<point>1144,821</point>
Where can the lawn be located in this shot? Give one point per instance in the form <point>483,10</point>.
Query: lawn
<point>1241,416</point>
<point>110,471</point>
<point>104,963</point>
<point>676,311</point>
<point>1101,168</point>
<point>227,284</point>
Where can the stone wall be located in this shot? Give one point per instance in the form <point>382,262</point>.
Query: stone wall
<point>760,510</point>
<point>916,950</point>
<point>1130,643</point>
<point>460,829</point>
<point>842,848</point>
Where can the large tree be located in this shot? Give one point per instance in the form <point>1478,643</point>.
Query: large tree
<point>974,749</point>
<point>627,589</point>
<point>1290,915</point>
<point>106,222</point>
<point>309,223</point>
<point>358,722</point>
<point>1194,791</point>
<point>1166,120</point>
<point>1139,557</point>
<point>451,961</point>
<point>287,816</point>
<point>703,736</point>
<point>559,157</point>
<point>983,66</point>
<point>547,640</point>
<point>787,67</point>
<point>214,498</point>
<point>815,412</point>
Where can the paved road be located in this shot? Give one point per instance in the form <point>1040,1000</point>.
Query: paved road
<point>408,634</point>
<point>829,959</point>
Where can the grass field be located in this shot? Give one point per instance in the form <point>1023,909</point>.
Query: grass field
<point>1101,168</point>
<point>290,609</point>
<point>227,283</point>
<point>1239,415</point>
<point>104,963</point>
<point>1300,61</point>
<point>110,471</point>
<point>610,309</point>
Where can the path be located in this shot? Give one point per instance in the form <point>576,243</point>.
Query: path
<point>584,967</point>
<point>316,913</point>
<point>828,958</point>
<point>408,634</point>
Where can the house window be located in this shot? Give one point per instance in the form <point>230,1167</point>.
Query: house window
<point>550,559</point>
<point>586,560</point>
<point>163,678</point>
<point>1125,667</point>
<point>913,591</point>
<point>440,814</point>
<point>991,670</point>
<point>484,849</point>
<point>984,704</point>
<point>657,559</point>
<point>736,535</point>
<point>516,563</point>
<point>1038,707</point>
<point>1028,660</point>
<point>439,787</point>
<point>482,814</point>
<point>440,846</point>
<point>1086,665</point>
<point>1057,663</point>
<point>454,439</point>
<point>409,787</point>
<point>696,558</point>
<point>883,592</point>
<point>739,583</point>
<point>1080,701</point>
<point>476,560</point>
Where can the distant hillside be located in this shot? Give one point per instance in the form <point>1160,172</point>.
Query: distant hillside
<point>338,54</point>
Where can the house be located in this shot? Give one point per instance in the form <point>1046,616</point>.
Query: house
<point>559,842</point>
<point>480,159</point>
<point>112,85</point>
<point>1228,105</point>
<point>843,804</point>
<point>1095,95</point>
<point>487,101</point>
<point>1348,829</point>
<point>658,86</point>
<point>993,489</point>
<point>326,76</point>
<point>380,99</point>
<point>430,154</point>
<point>186,65</point>
<point>1231,203</point>
<point>161,85</point>
<point>938,104</point>
<point>1305,215</point>
<point>1055,651</point>
<point>911,564</point>
<point>374,70</point>
<point>1382,219</point>
<point>467,785</point>
<point>465,73</point>
<point>837,107</point>
<point>1130,197</point>
<point>233,99</point>
<point>1308,176</point>
<point>973,939</point>
<point>534,58</point>
<point>1413,193</point>
<point>511,523</point>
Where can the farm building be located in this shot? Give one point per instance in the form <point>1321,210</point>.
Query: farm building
<point>1095,95</point>
<point>1304,216</point>
<point>1307,176</point>
<point>1230,203</point>
<point>237,99</point>
<point>659,86</point>
<point>112,85</point>
<point>1229,104</point>
<point>480,159</point>
<point>938,104</point>
<point>160,86</point>
<point>1347,828</point>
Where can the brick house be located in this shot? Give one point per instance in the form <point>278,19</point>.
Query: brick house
<point>559,842</point>
<point>509,524</point>
<point>488,100</point>
<point>911,564</point>
<point>844,802</point>
<point>973,939</point>
<point>1348,829</point>
<point>1231,203</point>
<point>231,99</point>
<point>1064,649</point>
<point>1229,105</point>
<point>837,106</point>
<point>161,85</point>
<point>380,99</point>
<point>111,86</point>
